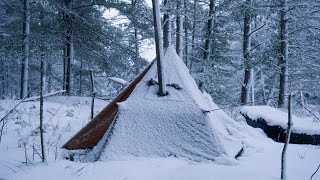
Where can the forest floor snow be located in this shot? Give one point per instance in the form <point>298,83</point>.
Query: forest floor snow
<point>259,160</point>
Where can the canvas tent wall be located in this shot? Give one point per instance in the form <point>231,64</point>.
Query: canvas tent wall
<point>146,125</point>
<point>92,133</point>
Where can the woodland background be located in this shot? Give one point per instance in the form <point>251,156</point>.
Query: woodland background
<point>237,51</point>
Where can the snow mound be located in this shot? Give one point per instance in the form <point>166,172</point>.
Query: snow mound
<point>174,125</point>
<point>275,117</point>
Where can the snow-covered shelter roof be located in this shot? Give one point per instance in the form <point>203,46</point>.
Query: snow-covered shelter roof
<point>146,125</point>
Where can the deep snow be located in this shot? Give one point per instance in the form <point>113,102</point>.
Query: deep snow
<point>260,160</point>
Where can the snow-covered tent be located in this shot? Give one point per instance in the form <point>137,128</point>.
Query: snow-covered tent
<point>139,123</point>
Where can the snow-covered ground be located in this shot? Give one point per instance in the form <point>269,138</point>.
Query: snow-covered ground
<point>260,159</point>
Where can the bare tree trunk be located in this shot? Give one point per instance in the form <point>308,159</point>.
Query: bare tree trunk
<point>8,85</point>
<point>81,77</point>
<point>186,35</point>
<point>186,46</point>
<point>179,29</point>
<point>263,88</point>
<point>92,93</point>
<point>136,43</point>
<point>70,48</point>
<point>245,87</point>
<point>195,2</point>
<point>159,47</point>
<point>166,24</point>
<point>136,38</point>
<point>252,86</point>
<point>283,56</point>
<point>246,55</point>
<point>208,42</point>
<point>284,151</point>
<point>49,72</point>
<point>26,50</point>
<point>42,89</point>
<point>64,67</point>
<point>3,80</point>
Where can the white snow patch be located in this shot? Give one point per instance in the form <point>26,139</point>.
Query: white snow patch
<point>118,80</point>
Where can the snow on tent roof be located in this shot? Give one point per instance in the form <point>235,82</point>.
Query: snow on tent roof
<point>151,126</point>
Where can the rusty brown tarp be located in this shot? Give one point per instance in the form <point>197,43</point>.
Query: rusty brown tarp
<point>92,133</point>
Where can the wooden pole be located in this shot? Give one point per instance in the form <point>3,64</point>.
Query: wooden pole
<point>42,85</point>
<point>92,93</point>
<point>159,47</point>
<point>284,151</point>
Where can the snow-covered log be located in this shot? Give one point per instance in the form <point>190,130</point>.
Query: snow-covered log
<point>46,95</point>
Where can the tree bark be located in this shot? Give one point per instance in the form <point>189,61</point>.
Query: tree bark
<point>136,43</point>
<point>193,31</point>
<point>246,47</point>
<point>252,86</point>
<point>81,77</point>
<point>263,87</point>
<point>166,25</point>
<point>49,73</point>
<point>186,34</point>
<point>3,80</point>
<point>26,50</point>
<point>284,151</point>
<point>179,29</point>
<point>159,47</point>
<point>136,38</point>
<point>208,42</point>
<point>283,56</point>
<point>69,48</point>
<point>64,82</point>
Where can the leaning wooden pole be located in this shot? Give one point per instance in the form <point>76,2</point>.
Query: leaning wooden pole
<point>284,151</point>
<point>159,47</point>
